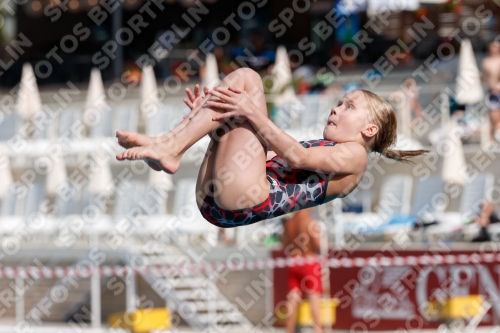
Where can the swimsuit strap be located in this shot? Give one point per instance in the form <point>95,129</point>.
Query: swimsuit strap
<point>317,143</point>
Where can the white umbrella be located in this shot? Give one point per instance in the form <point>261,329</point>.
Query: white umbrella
<point>149,91</point>
<point>160,180</point>
<point>57,174</point>
<point>211,78</point>
<point>101,179</point>
<point>95,94</point>
<point>468,83</point>
<point>287,105</point>
<point>445,109</point>
<point>454,166</point>
<point>402,104</point>
<point>282,79</point>
<point>28,96</point>
<point>404,112</point>
<point>469,88</point>
<point>95,102</point>
<point>376,6</point>
<point>5,174</point>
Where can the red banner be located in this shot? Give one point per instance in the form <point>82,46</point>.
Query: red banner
<point>396,297</point>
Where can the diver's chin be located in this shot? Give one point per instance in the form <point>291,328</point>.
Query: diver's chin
<point>327,136</point>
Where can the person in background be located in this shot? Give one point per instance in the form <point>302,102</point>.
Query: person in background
<point>491,69</point>
<point>301,238</point>
<point>223,62</point>
<point>487,216</point>
<point>258,54</point>
<point>411,90</point>
<point>409,109</point>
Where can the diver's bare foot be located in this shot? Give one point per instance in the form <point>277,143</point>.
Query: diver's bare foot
<point>153,154</point>
<point>128,139</point>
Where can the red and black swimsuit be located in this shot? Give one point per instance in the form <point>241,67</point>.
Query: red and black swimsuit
<point>291,190</point>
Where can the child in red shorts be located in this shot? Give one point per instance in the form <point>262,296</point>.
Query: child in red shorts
<point>301,240</point>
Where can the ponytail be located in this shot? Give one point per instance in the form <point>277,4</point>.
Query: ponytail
<point>382,114</point>
<point>403,155</point>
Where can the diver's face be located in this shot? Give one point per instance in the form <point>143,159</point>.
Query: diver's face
<point>348,119</point>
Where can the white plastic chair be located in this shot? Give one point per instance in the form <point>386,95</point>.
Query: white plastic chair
<point>176,113</point>
<point>357,200</point>
<point>94,212</point>
<point>395,194</point>
<point>36,195</point>
<point>67,202</point>
<point>142,203</point>
<point>126,118</point>
<point>103,128</point>
<point>284,117</point>
<point>128,195</point>
<point>189,219</point>
<point>153,201</point>
<point>157,123</point>
<point>473,195</point>
<point>66,127</point>
<point>8,125</point>
<point>314,113</point>
<point>25,211</point>
<point>430,198</point>
<point>9,202</point>
<point>11,225</point>
<point>394,199</point>
<point>355,206</point>
<point>91,206</point>
<point>41,131</point>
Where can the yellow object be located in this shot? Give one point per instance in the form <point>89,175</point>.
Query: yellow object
<point>141,320</point>
<point>304,316</point>
<point>457,307</point>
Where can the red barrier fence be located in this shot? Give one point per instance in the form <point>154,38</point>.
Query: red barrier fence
<point>395,295</point>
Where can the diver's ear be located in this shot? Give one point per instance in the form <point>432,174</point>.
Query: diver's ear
<point>370,130</point>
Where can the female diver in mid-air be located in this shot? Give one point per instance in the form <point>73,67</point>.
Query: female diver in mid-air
<point>240,182</point>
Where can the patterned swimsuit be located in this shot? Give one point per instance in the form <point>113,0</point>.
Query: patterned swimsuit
<point>291,190</point>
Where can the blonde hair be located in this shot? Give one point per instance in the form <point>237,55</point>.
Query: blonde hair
<point>381,113</point>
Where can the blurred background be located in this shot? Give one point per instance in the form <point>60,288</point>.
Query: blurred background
<point>90,243</point>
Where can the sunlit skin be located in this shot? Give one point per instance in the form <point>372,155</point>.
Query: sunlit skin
<point>301,237</point>
<point>345,123</point>
<point>128,139</point>
<point>348,121</point>
<point>241,96</point>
